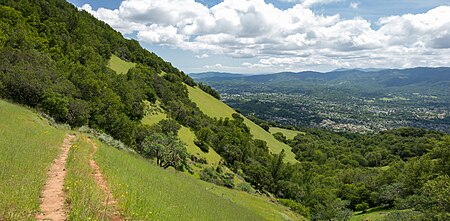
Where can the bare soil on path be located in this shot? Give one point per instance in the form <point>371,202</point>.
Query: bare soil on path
<point>52,196</point>
<point>109,201</point>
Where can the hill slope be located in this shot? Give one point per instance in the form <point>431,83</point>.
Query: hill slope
<point>216,108</point>
<point>28,145</point>
<point>143,190</point>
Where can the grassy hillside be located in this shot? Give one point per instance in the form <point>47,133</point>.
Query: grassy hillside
<point>118,65</point>
<point>28,145</point>
<point>187,136</point>
<point>290,134</point>
<point>216,108</point>
<point>145,191</point>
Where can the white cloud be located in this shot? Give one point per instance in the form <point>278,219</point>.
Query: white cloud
<point>309,3</point>
<point>291,38</point>
<point>354,5</point>
<point>202,56</point>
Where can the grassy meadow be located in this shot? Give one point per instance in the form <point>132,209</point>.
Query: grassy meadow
<point>216,108</point>
<point>28,145</point>
<point>147,192</point>
<point>118,65</point>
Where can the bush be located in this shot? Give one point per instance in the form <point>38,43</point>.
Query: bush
<point>55,105</point>
<point>202,145</point>
<point>362,207</point>
<point>78,112</point>
<point>296,207</point>
<point>280,137</point>
<point>211,175</point>
<point>246,187</point>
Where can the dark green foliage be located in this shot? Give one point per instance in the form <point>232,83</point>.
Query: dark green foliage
<point>209,90</point>
<point>280,136</point>
<point>167,126</point>
<point>54,57</point>
<point>362,207</point>
<point>202,145</point>
<point>55,105</point>
<point>78,112</point>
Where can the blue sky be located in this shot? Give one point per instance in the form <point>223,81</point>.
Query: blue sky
<point>256,36</point>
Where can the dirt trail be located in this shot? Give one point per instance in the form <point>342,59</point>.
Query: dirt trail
<point>109,201</point>
<point>52,196</point>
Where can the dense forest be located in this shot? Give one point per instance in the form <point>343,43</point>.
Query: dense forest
<point>54,58</point>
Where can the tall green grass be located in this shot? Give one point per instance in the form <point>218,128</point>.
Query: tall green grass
<point>28,145</point>
<point>118,65</point>
<point>148,192</point>
<point>85,199</point>
<point>216,108</point>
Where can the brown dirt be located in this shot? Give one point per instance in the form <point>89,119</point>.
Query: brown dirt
<point>52,196</point>
<point>109,201</point>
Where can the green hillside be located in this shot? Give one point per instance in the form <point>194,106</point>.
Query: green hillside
<point>28,145</point>
<point>118,65</point>
<point>216,108</point>
<point>145,191</point>
<point>54,59</point>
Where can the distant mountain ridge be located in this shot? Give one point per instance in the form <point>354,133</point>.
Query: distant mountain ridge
<point>380,78</point>
<point>203,75</point>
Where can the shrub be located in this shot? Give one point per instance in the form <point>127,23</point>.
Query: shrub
<point>212,176</point>
<point>296,207</point>
<point>362,207</point>
<point>246,187</point>
<point>202,145</point>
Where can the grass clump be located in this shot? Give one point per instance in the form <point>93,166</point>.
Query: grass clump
<point>28,145</point>
<point>85,199</point>
<point>147,192</point>
<point>119,66</point>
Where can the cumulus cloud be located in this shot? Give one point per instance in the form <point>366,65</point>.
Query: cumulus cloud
<point>287,38</point>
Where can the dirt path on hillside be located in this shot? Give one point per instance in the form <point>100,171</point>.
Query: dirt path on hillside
<point>109,201</point>
<point>52,196</point>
